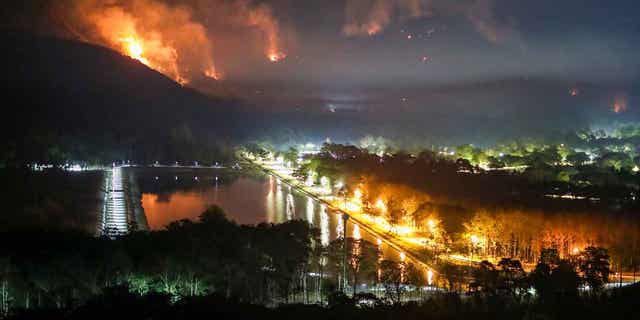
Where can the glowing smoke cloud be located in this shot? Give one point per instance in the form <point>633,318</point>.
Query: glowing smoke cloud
<point>263,18</point>
<point>168,38</point>
<point>619,104</point>
<point>162,37</point>
<point>370,17</point>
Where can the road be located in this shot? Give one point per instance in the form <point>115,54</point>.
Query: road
<point>387,239</point>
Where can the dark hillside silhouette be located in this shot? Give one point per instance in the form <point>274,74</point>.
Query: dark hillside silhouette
<point>66,99</point>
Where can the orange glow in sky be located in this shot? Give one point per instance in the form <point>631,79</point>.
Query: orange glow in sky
<point>276,57</point>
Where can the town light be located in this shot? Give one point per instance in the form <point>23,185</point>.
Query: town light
<point>356,232</point>
<point>431,223</point>
<point>357,194</point>
<point>310,178</point>
<point>324,181</point>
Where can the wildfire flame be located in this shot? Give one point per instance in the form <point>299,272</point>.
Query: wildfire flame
<point>619,105</point>
<point>276,57</point>
<point>211,73</point>
<point>261,17</point>
<point>134,49</point>
<point>374,29</point>
<point>164,57</point>
<point>162,37</point>
<point>168,37</point>
<point>381,206</point>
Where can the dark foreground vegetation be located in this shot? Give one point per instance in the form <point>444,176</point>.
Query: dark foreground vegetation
<point>217,268</point>
<point>63,269</point>
<point>118,301</point>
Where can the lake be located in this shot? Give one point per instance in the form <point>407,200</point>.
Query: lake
<point>170,194</point>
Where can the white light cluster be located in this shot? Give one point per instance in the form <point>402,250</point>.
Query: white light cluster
<point>114,217</point>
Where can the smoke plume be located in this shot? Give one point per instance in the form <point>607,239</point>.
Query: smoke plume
<point>482,16</point>
<point>370,17</point>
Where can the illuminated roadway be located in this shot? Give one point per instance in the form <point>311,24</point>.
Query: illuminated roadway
<point>391,241</point>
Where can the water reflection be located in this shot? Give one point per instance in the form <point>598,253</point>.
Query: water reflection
<point>270,205</point>
<point>215,190</point>
<point>356,232</point>
<point>340,228</point>
<point>324,225</point>
<point>310,210</point>
<point>291,207</point>
<point>246,198</point>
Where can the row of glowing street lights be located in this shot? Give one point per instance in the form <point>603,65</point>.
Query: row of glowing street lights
<point>353,205</point>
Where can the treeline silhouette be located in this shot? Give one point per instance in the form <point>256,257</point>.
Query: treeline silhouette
<point>458,182</point>
<point>118,302</point>
<point>217,268</point>
<point>508,212</point>
<point>262,263</point>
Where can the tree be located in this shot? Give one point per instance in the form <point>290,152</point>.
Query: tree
<point>5,296</point>
<point>615,160</point>
<point>362,258</point>
<point>593,262</point>
<point>394,211</point>
<point>540,172</point>
<point>512,275</point>
<point>391,276</point>
<point>547,156</point>
<point>495,163</point>
<point>464,165</point>
<point>578,158</point>
<point>485,278</point>
<point>291,155</point>
<point>554,278</point>
<point>453,275</point>
<point>413,276</point>
<point>636,161</point>
<point>549,256</point>
<point>566,174</point>
<point>465,151</point>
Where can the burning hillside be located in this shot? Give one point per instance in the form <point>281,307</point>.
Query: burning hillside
<point>171,39</point>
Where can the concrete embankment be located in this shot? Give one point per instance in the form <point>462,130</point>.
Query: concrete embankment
<point>122,210</point>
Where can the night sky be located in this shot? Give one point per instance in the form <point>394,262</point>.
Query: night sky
<point>462,40</point>
<point>430,66</point>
